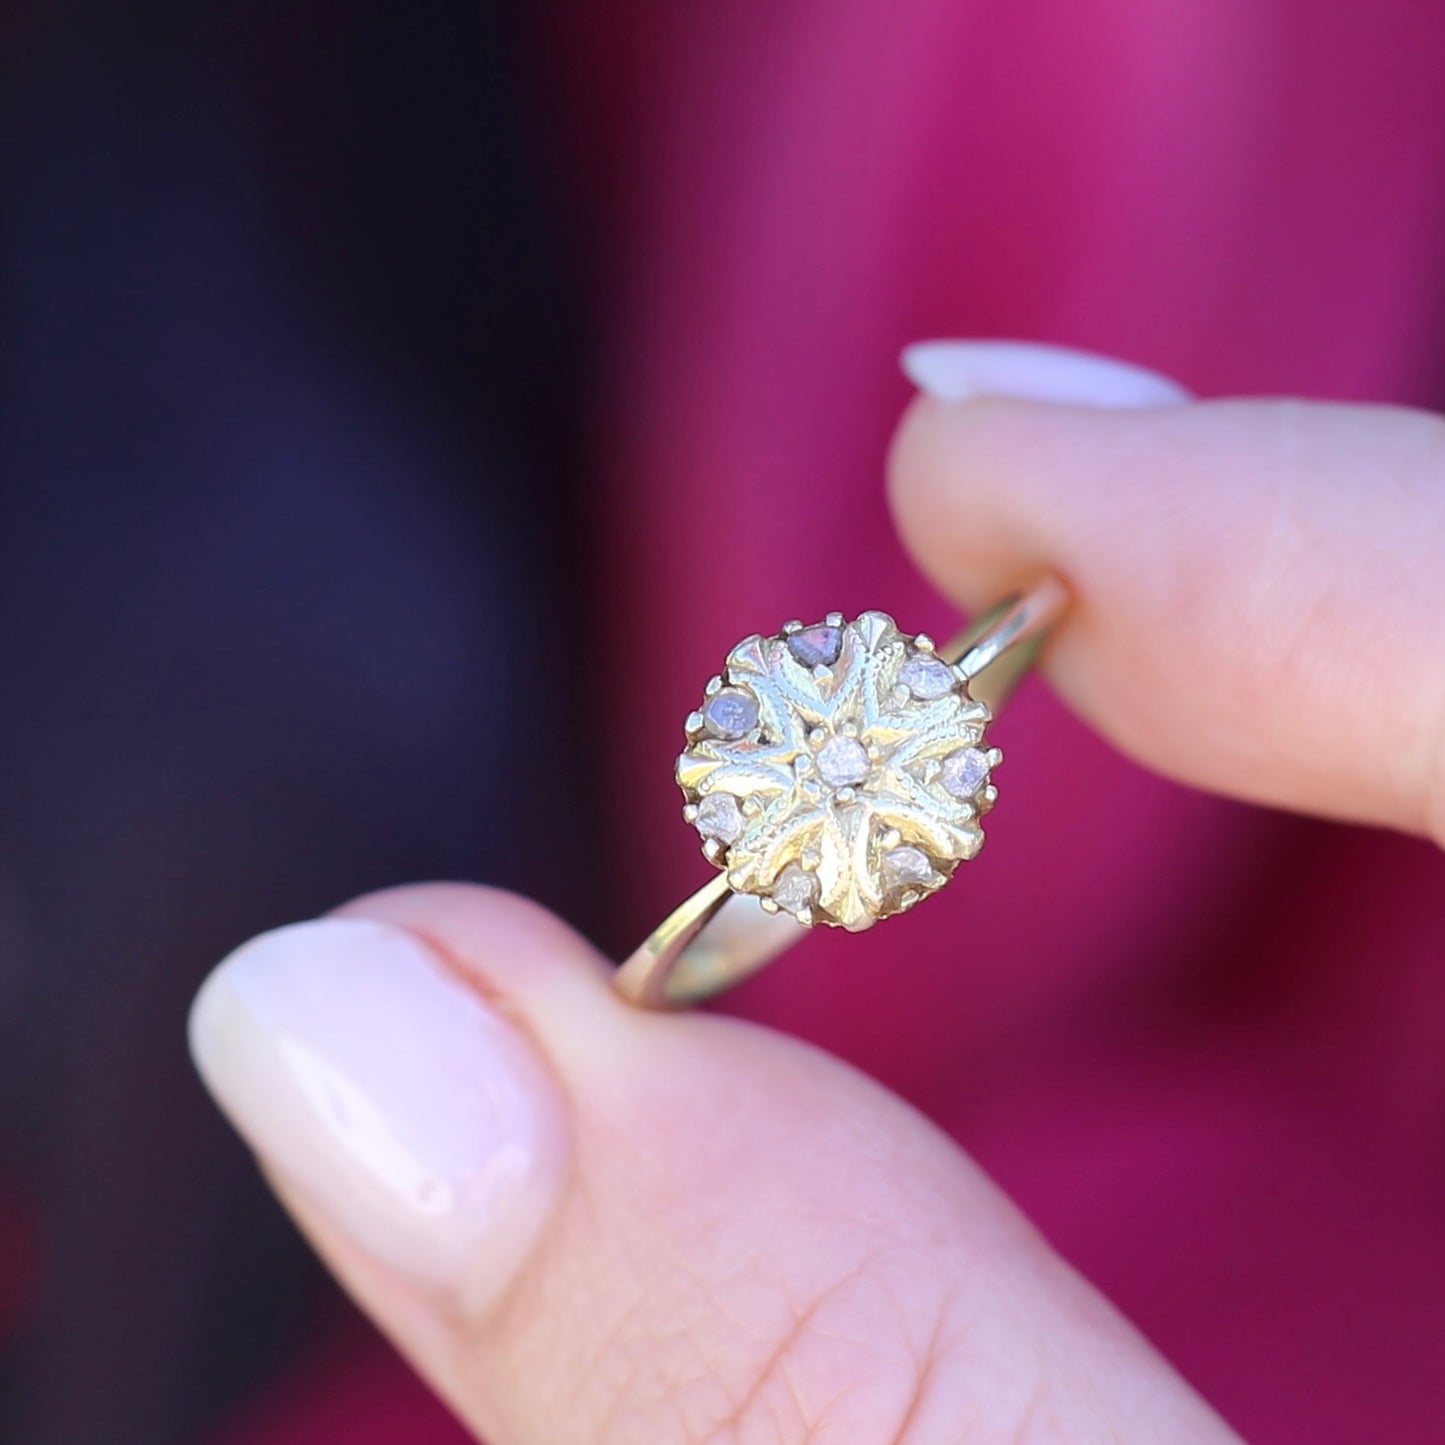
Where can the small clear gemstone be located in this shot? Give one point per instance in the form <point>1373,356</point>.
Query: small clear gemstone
<point>907,865</point>
<point>964,772</point>
<point>795,888</point>
<point>720,817</point>
<point>843,761</point>
<point>926,676</point>
<point>816,646</point>
<point>730,713</point>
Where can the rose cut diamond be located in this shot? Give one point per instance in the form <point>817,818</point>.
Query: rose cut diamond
<point>964,772</point>
<point>795,889</point>
<point>907,864</point>
<point>720,817</point>
<point>927,677</point>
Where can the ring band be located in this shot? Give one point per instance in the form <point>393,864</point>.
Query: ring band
<point>837,774</point>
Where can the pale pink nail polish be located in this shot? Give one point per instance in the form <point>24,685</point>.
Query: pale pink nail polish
<point>957,371</point>
<point>401,1107</point>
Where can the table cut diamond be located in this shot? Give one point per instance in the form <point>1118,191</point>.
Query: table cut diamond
<point>730,713</point>
<point>817,646</point>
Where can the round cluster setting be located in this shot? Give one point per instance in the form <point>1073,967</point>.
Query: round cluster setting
<point>838,771</point>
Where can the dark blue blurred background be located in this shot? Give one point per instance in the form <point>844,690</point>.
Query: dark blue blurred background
<point>289,367</point>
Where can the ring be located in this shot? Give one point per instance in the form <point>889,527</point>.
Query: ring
<point>836,773</point>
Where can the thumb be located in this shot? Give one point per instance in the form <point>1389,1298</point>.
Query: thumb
<point>583,1222</point>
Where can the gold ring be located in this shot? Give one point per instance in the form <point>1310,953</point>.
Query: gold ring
<point>836,773</point>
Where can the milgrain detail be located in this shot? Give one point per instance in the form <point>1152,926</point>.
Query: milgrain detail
<point>838,771</point>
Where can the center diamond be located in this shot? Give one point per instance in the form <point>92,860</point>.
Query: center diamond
<point>825,770</point>
<point>843,760</point>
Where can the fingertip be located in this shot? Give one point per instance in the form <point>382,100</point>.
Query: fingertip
<point>1284,549</point>
<point>941,471</point>
<point>417,1120</point>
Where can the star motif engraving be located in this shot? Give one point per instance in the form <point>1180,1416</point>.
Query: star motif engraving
<point>857,788</point>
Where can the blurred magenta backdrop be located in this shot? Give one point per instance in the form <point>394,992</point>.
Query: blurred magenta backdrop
<point>1202,1045</point>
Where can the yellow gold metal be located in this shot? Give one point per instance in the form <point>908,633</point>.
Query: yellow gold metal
<point>837,774</point>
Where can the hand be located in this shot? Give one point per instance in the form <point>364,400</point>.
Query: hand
<point>583,1223</point>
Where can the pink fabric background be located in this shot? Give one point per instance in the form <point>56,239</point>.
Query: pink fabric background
<point>1202,1045</point>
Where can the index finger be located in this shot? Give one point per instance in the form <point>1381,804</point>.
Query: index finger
<point>1260,585</point>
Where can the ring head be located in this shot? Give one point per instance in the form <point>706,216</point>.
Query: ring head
<point>838,771</point>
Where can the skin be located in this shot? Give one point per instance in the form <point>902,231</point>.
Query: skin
<point>820,1263</point>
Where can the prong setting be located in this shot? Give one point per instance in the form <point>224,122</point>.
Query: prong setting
<point>837,770</point>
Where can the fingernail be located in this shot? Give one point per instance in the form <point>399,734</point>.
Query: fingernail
<point>404,1110</point>
<point>963,370</point>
